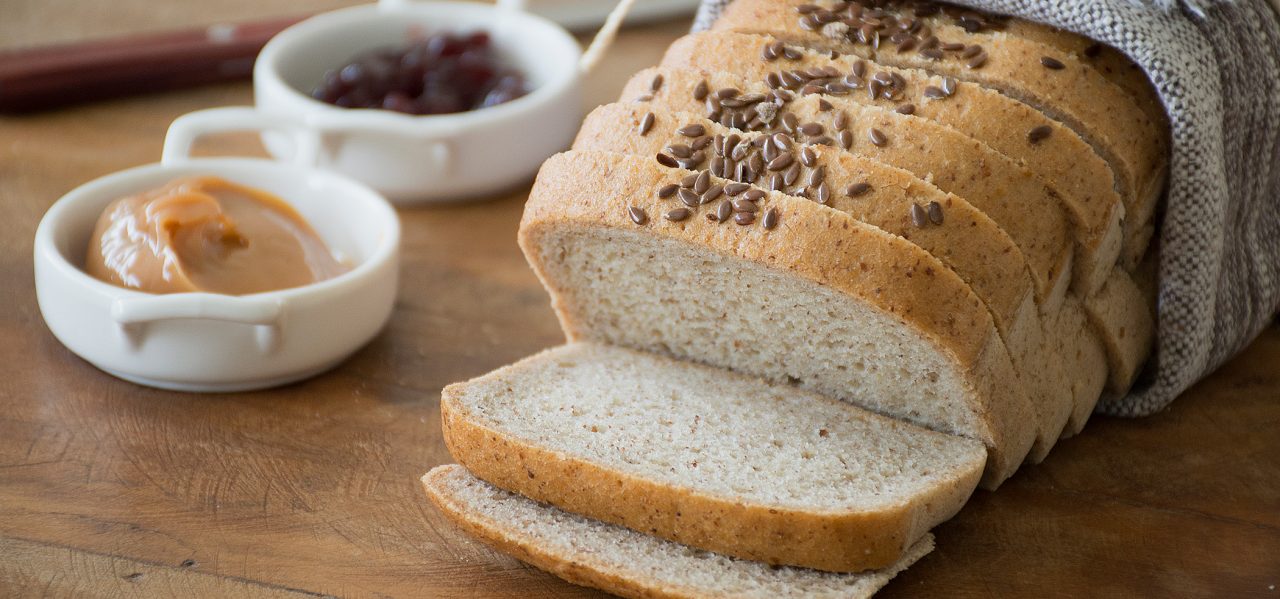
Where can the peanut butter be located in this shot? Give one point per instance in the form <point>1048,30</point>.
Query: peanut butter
<point>207,234</point>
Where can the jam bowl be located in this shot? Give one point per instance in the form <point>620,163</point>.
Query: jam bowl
<point>205,342</point>
<point>408,158</point>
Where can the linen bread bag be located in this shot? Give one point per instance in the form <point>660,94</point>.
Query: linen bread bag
<point>854,279</point>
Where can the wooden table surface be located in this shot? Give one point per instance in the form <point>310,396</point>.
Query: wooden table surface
<point>110,489</point>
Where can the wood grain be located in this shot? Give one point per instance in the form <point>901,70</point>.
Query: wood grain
<point>109,489</point>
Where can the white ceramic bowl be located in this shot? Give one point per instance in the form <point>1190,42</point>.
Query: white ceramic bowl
<point>211,342</point>
<point>408,158</point>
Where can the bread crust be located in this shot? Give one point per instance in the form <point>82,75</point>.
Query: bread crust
<point>1083,182</point>
<point>1122,72</point>
<point>1020,202</point>
<point>1126,135</point>
<point>594,190</point>
<point>834,541</point>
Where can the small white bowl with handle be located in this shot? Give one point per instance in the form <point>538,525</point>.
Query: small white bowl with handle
<point>409,158</point>
<point>208,342</point>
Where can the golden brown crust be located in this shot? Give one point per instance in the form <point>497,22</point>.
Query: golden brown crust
<point>1119,70</point>
<point>1061,158</point>
<point>1010,195</point>
<point>1126,135</point>
<point>577,189</point>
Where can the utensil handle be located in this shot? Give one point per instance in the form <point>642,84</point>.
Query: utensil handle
<point>51,76</point>
<point>190,127</point>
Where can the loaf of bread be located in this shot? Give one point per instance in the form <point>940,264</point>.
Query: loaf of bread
<point>824,270</point>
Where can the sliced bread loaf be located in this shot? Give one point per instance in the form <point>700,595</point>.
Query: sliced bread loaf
<point>627,563</point>
<point>708,458</point>
<point>967,174</point>
<point>794,291</point>
<point>1061,84</point>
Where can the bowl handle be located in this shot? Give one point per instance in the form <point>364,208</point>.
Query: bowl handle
<point>134,314</point>
<point>190,127</point>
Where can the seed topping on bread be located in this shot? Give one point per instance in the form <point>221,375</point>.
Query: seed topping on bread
<point>646,124</point>
<point>901,23</point>
<point>637,214</point>
<point>1039,134</point>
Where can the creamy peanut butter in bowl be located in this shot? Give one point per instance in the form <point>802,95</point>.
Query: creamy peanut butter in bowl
<point>217,274</point>
<point>207,234</point>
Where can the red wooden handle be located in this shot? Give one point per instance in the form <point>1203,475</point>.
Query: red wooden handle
<point>52,76</point>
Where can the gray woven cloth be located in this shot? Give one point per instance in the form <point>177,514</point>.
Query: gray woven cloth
<point>1216,66</point>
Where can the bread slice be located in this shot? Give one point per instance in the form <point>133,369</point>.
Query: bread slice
<point>966,241</point>
<point>1021,203</point>
<point>627,563</point>
<point>1122,312</point>
<point>1082,178</point>
<point>1081,364</point>
<point>820,299</point>
<point>1131,139</point>
<point>707,458</point>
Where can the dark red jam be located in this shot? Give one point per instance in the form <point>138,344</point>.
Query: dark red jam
<point>439,74</point>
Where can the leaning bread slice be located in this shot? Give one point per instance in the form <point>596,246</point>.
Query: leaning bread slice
<point>785,289</point>
<point>627,563</point>
<point>1016,199</point>
<point>1067,88</point>
<point>1082,363</point>
<point>1122,313</point>
<point>964,239</point>
<point>708,458</point>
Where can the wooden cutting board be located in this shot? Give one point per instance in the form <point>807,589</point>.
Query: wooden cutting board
<point>110,489</point>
